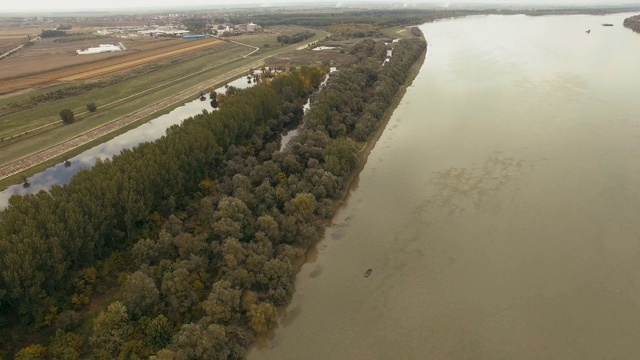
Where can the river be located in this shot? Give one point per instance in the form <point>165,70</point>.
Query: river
<point>498,211</point>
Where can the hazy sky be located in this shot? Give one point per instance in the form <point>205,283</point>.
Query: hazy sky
<point>66,5</point>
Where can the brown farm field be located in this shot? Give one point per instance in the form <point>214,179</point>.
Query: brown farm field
<point>48,62</point>
<point>13,36</point>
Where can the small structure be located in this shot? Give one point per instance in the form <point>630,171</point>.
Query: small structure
<point>193,37</point>
<point>251,27</point>
<point>102,48</point>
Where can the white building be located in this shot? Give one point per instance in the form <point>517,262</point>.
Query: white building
<point>102,48</point>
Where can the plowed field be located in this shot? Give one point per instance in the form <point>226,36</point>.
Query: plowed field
<point>107,66</point>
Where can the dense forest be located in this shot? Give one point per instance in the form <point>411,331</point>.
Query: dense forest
<point>189,240</point>
<point>52,33</point>
<point>633,23</point>
<point>295,38</point>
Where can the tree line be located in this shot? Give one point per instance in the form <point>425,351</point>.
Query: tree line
<point>199,228</point>
<point>633,23</point>
<point>52,33</point>
<point>295,38</point>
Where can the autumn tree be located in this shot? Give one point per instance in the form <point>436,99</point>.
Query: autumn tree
<point>111,329</point>
<point>195,342</point>
<point>262,317</point>
<point>179,293</point>
<point>141,295</point>
<point>159,332</point>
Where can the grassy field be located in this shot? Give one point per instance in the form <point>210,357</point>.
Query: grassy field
<point>397,32</point>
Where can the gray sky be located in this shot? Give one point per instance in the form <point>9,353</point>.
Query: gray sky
<point>67,5</point>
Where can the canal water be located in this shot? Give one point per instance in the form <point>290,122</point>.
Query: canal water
<point>499,209</point>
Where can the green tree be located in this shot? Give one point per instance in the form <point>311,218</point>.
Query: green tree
<point>66,345</point>
<point>195,342</point>
<point>92,107</point>
<point>111,329</point>
<point>179,293</point>
<point>223,302</point>
<point>67,116</point>
<point>159,332</point>
<point>141,295</point>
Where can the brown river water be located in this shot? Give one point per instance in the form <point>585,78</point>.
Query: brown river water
<point>499,211</point>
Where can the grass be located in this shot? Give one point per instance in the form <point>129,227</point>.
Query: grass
<point>397,32</point>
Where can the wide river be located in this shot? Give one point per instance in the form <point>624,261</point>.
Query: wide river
<point>500,209</point>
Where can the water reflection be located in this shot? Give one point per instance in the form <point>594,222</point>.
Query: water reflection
<point>62,173</point>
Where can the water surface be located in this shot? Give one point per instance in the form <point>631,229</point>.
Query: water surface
<point>499,210</point>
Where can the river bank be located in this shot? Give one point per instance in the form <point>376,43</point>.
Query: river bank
<point>351,183</point>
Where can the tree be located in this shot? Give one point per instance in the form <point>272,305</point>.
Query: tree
<point>141,294</point>
<point>195,342</point>
<point>111,329</point>
<point>32,352</point>
<point>159,332</point>
<point>92,107</point>
<point>262,317</point>
<point>223,302</point>
<point>67,116</point>
<point>178,292</point>
<point>66,345</point>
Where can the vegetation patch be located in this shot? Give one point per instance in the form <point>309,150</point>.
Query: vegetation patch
<point>633,23</point>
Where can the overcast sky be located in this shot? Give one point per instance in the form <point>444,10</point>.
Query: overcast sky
<point>66,5</point>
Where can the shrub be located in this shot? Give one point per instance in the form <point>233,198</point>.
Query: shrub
<point>92,107</point>
<point>67,116</point>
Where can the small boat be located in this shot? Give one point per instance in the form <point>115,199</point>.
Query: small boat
<point>588,31</point>
<point>368,272</point>
<point>607,24</point>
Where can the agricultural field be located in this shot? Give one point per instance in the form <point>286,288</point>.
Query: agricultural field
<point>12,36</point>
<point>308,57</point>
<point>48,62</point>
